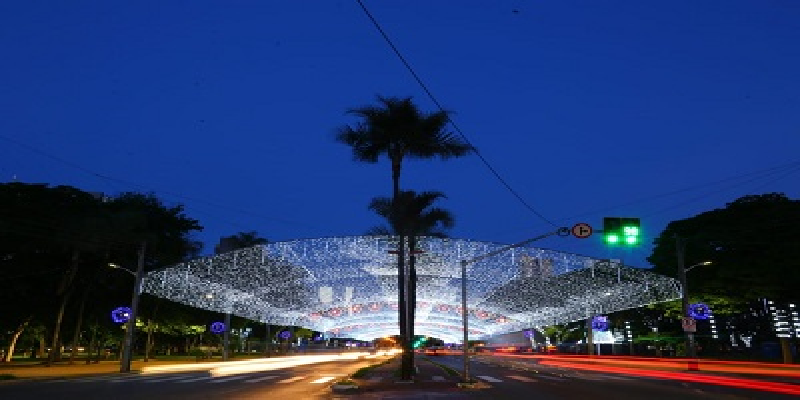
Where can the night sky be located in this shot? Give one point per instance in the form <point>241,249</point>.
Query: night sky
<point>658,110</point>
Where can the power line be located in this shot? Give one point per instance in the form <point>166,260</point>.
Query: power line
<point>788,168</point>
<point>439,106</point>
<point>147,189</point>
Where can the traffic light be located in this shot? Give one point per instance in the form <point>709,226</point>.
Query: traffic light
<point>624,231</point>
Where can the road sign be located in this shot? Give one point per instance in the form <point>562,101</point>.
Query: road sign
<point>689,324</point>
<point>582,230</point>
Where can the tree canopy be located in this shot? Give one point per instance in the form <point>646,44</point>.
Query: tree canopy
<point>751,242</point>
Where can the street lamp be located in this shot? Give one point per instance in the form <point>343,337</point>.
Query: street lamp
<point>680,246</point>
<point>125,361</point>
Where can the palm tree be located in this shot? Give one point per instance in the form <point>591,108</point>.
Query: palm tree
<point>412,215</point>
<point>397,129</point>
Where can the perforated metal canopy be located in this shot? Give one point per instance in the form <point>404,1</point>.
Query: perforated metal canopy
<point>347,286</point>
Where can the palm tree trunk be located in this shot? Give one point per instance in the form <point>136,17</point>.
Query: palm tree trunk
<point>406,367</point>
<point>412,288</point>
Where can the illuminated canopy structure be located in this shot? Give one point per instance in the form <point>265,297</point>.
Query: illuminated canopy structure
<point>347,286</point>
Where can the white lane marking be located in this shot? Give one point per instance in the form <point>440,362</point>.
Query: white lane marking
<point>489,379</point>
<point>521,378</point>
<point>230,378</point>
<point>294,379</point>
<point>202,378</point>
<point>438,378</point>
<point>263,378</point>
<point>323,379</point>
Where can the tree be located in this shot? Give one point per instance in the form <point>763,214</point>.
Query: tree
<point>241,240</point>
<point>57,241</point>
<point>412,215</point>
<point>752,245</point>
<point>397,129</point>
<point>751,242</point>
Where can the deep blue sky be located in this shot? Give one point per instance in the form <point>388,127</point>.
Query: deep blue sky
<point>586,108</point>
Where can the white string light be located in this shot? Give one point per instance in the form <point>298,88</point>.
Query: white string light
<point>347,286</point>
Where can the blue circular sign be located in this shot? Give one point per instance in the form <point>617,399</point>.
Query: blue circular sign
<point>285,334</point>
<point>121,315</point>
<point>600,323</point>
<point>699,311</point>
<point>218,327</point>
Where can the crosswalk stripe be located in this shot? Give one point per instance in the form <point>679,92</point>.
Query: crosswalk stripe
<point>323,379</point>
<point>490,379</point>
<point>522,378</point>
<point>293,379</point>
<point>263,378</point>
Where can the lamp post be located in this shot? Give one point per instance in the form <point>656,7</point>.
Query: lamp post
<point>125,361</point>
<point>680,247</point>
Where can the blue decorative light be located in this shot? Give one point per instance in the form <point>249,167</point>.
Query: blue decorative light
<point>218,327</point>
<point>121,315</point>
<point>528,334</point>
<point>600,323</point>
<point>699,311</point>
<point>285,334</point>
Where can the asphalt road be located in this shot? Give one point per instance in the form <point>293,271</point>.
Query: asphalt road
<point>295,383</point>
<point>527,380</point>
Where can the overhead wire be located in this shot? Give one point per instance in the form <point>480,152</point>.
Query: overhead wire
<point>436,102</point>
<point>791,167</point>
<point>151,190</point>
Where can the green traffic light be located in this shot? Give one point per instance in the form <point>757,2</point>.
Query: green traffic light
<point>612,239</point>
<point>630,231</point>
<point>631,239</point>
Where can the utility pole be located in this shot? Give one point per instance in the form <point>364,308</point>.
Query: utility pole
<point>127,354</point>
